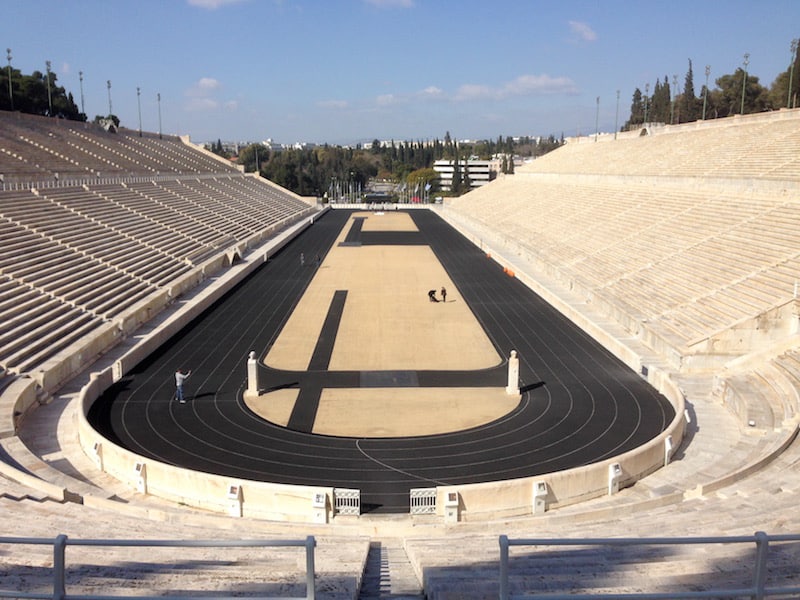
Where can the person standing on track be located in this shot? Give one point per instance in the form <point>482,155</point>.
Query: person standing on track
<point>180,377</point>
<point>444,294</point>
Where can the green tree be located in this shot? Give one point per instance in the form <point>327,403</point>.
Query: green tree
<point>661,102</point>
<point>30,95</point>
<point>728,96</point>
<point>637,109</point>
<point>457,184</point>
<point>419,179</point>
<point>251,154</point>
<point>688,100</point>
<point>780,96</point>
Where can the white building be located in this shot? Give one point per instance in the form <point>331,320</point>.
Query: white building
<point>480,172</point>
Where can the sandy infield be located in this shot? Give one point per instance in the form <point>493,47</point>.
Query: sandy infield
<point>388,324</point>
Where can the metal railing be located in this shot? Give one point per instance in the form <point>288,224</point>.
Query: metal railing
<point>757,590</point>
<point>60,543</point>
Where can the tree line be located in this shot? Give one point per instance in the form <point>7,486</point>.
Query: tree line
<point>312,171</point>
<point>37,94</point>
<point>736,93</point>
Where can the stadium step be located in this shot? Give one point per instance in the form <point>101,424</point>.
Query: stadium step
<point>389,574</point>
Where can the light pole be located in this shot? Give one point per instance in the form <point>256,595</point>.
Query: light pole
<point>744,78</point>
<point>597,119</point>
<point>139,104</point>
<point>10,93</point>
<point>108,85</point>
<point>705,92</point>
<point>80,77</point>
<point>675,98</point>
<point>616,118</point>
<point>159,114</point>
<point>49,97</point>
<point>789,102</point>
<point>646,93</point>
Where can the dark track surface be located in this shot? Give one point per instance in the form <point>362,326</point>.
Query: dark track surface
<point>579,404</point>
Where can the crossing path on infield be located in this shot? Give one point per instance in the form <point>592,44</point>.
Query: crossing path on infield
<point>369,385</point>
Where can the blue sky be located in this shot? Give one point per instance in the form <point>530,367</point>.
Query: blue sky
<point>343,71</point>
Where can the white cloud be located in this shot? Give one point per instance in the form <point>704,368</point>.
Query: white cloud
<point>389,99</point>
<point>212,4</point>
<point>203,96</point>
<point>201,104</point>
<point>205,86</point>
<point>431,92</point>
<point>473,91</point>
<point>582,32</point>
<point>524,85</point>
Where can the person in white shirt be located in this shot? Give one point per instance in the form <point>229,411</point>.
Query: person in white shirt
<point>180,377</point>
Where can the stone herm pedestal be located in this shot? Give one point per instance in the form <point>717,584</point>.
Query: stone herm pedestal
<point>512,389</point>
<point>252,374</point>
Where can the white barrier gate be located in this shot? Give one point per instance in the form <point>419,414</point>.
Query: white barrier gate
<point>346,502</point>
<point>423,501</point>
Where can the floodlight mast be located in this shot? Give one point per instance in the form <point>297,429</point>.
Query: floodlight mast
<point>49,96</point>
<point>139,104</point>
<point>744,79</point>
<point>108,85</point>
<point>789,102</point>
<point>80,77</point>
<point>10,93</point>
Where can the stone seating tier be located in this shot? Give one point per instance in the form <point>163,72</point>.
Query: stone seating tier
<point>662,249</point>
<point>37,148</point>
<point>754,147</point>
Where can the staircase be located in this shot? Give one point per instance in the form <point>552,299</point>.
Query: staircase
<point>388,574</point>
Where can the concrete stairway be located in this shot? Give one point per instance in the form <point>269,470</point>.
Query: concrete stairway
<point>388,574</point>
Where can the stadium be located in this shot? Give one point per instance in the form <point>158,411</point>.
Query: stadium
<point>670,252</point>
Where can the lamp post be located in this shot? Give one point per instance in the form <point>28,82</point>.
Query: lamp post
<point>139,105</point>
<point>80,77</point>
<point>10,93</point>
<point>108,85</point>
<point>597,119</point>
<point>744,78</point>
<point>158,96</point>
<point>675,100</point>
<point>705,92</point>
<point>672,100</point>
<point>49,96</point>
<point>646,93</point>
<point>789,102</point>
<point>616,118</point>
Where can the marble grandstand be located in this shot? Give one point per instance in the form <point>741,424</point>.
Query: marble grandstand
<point>679,250</point>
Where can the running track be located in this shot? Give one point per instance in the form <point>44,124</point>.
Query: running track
<point>579,404</point>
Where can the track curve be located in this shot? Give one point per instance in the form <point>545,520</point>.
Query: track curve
<point>579,404</point>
